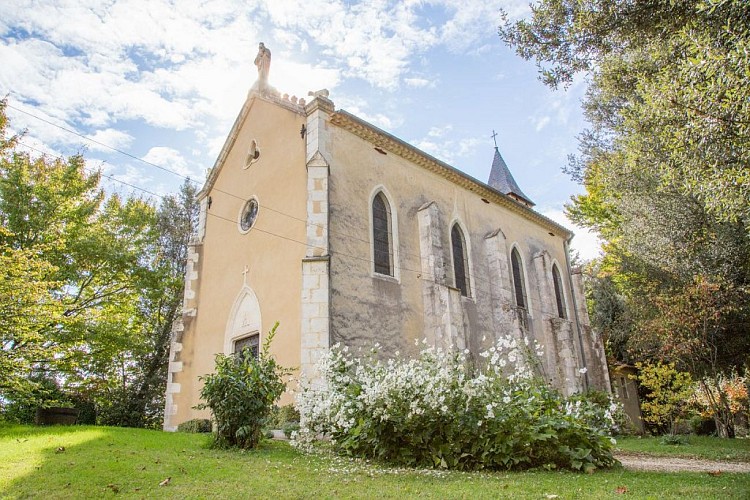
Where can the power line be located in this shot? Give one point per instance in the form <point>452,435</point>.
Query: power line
<point>78,134</point>
<point>254,228</point>
<point>476,277</point>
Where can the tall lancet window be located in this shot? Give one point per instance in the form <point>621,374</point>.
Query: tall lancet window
<point>382,240</point>
<point>559,297</point>
<point>519,287</point>
<point>460,261</point>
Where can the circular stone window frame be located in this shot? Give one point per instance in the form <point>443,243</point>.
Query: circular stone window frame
<point>240,216</point>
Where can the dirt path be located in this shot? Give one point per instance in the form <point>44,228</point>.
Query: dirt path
<point>634,461</point>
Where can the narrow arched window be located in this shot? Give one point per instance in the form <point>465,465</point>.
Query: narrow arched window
<point>519,287</point>
<point>559,297</point>
<point>382,241</point>
<point>460,261</point>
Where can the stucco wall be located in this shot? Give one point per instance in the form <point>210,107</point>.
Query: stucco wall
<point>366,308</point>
<point>272,250</point>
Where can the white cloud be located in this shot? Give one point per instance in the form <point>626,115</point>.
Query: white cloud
<point>448,150</point>
<point>360,109</point>
<point>439,131</point>
<point>124,71</point>
<point>170,159</point>
<point>108,139</point>
<point>540,122</point>
<point>419,82</point>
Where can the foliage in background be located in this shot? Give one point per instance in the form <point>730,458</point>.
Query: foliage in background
<point>196,425</point>
<point>668,392</point>
<point>89,287</point>
<point>281,415</point>
<point>434,411</point>
<point>665,167</point>
<point>137,397</point>
<point>724,400</point>
<point>241,394</point>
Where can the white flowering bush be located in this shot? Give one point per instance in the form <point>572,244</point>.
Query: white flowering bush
<point>439,410</point>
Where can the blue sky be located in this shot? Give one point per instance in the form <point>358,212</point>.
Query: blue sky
<point>163,81</point>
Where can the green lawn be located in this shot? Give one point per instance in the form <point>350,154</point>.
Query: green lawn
<point>103,462</point>
<point>710,448</point>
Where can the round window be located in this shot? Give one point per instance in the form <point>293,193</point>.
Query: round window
<point>249,214</point>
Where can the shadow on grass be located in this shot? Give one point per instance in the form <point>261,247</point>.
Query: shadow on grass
<point>88,461</point>
<point>96,462</point>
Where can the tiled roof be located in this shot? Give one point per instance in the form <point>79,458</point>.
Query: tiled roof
<point>502,180</point>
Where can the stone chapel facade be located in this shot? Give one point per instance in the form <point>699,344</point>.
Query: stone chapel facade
<point>346,234</point>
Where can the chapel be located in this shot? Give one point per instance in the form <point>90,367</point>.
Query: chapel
<point>346,234</point>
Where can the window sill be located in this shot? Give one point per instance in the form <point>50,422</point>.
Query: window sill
<point>385,277</point>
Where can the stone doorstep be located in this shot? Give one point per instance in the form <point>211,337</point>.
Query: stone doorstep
<point>279,435</point>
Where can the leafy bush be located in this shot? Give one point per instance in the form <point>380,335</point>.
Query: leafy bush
<point>195,426</point>
<point>241,394</point>
<point>724,400</point>
<point>674,439</point>
<point>290,428</point>
<point>602,411</point>
<point>42,391</point>
<point>435,411</point>
<point>283,415</point>
<point>668,395</point>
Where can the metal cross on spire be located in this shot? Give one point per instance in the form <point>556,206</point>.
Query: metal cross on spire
<point>494,137</point>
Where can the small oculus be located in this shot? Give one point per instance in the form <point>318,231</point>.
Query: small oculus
<point>248,215</point>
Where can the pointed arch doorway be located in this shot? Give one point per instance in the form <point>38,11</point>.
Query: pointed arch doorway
<point>244,326</point>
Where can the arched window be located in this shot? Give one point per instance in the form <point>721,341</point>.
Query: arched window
<point>460,261</point>
<point>519,287</point>
<point>382,240</point>
<point>559,297</point>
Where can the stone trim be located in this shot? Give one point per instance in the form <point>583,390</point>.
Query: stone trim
<point>443,310</point>
<point>182,323</point>
<point>384,140</point>
<point>505,321</point>
<point>315,324</point>
<point>316,303</point>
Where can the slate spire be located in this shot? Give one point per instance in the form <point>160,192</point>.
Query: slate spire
<point>502,180</point>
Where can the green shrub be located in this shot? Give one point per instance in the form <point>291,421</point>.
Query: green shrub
<point>674,439</point>
<point>241,395</point>
<point>283,415</point>
<point>435,411</point>
<point>600,410</point>
<point>289,428</point>
<point>43,391</point>
<point>668,393</point>
<point>195,426</point>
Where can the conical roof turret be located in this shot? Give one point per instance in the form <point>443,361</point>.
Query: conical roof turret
<point>502,180</point>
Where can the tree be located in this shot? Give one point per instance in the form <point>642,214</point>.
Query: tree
<point>669,87</point>
<point>25,307</point>
<point>665,167</point>
<point>91,285</point>
<point>138,400</point>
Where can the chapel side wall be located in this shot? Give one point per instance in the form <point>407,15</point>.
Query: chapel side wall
<point>278,180</point>
<point>365,309</point>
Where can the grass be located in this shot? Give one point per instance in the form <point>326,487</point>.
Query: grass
<point>703,447</point>
<point>103,462</point>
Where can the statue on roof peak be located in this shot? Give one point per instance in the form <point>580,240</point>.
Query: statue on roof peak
<point>263,62</point>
